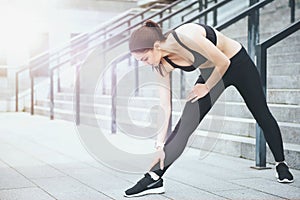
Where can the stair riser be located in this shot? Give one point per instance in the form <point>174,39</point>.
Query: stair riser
<point>286,48</point>
<point>282,70</point>
<point>209,123</point>
<point>283,58</point>
<point>284,82</point>
<point>231,95</point>
<point>283,114</point>
<point>247,129</point>
<point>239,149</point>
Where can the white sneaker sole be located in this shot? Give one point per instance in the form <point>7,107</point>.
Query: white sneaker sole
<point>284,180</point>
<point>159,190</point>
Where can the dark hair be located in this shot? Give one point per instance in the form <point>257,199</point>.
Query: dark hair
<point>143,38</point>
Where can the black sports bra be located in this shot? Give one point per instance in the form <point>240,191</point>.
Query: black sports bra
<point>198,58</point>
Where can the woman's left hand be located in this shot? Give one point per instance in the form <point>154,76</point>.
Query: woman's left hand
<point>198,91</point>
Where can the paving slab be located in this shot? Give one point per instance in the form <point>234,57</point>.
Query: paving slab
<point>247,194</point>
<point>43,159</point>
<point>25,193</point>
<point>287,191</point>
<point>69,188</point>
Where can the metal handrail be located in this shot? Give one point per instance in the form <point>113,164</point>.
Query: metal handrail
<point>117,23</point>
<point>77,41</point>
<point>243,14</point>
<point>177,11</point>
<point>55,51</point>
<point>262,49</point>
<point>72,40</point>
<point>207,10</point>
<point>261,60</point>
<point>108,40</point>
<point>92,37</point>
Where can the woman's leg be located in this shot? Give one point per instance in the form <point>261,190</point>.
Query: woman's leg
<point>191,116</point>
<point>248,84</point>
<point>247,81</point>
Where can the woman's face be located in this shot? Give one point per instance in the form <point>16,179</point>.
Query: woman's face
<point>150,57</point>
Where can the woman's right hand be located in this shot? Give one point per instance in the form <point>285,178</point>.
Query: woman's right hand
<point>159,157</point>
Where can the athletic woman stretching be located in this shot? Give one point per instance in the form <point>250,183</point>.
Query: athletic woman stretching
<point>189,47</point>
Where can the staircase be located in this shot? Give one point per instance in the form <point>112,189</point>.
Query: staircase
<point>229,128</point>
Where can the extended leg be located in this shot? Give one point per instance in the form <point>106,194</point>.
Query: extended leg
<point>249,85</point>
<point>191,116</point>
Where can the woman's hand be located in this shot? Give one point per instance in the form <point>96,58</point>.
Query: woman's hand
<point>198,91</point>
<point>159,157</point>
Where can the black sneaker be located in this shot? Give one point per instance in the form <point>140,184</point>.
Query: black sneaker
<point>283,174</point>
<point>146,185</point>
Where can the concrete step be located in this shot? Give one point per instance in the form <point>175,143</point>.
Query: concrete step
<point>236,119</point>
<point>283,69</point>
<point>283,82</point>
<point>283,58</point>
<point>292,40</point>
<point>282,112</point>
<point>285,48</point>
<point>274,96</point>
<point>130,118</point>
<point>229,144</point>
<point>273,81</point>
<point>240,146</point>
<point>247,128</point>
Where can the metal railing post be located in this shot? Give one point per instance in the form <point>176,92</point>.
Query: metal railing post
<point>58,80</point>
<point>253,30</point>
<point>205,6</point>
<point>51,96</point>
<point>260,149</point>
<point>17,92</point>
<point>114,99</point>
<point>136,70</point>
<point>292,5</point>
<point>215,15</point>
<point>253,40</point>
<point>200,8</point>
<point>103,79</point>
<point>77,95</point>
<point>58,73</point>
<point>31,93</point>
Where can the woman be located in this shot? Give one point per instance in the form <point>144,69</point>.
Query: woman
<point>189,47</point>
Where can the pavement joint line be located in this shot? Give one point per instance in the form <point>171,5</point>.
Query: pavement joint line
<point>28,179</point>
<point>54,168</point>
<point>4,189</point>
<point>68,156</point>
<point>106,171</point>
<point>260,190</point>
<point>99,168</point>
<point>201,189</point>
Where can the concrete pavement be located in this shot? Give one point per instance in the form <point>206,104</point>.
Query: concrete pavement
<point>43,160</point>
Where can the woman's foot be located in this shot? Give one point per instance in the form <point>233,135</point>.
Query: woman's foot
<point>283,174</point>
<point>146,185</point>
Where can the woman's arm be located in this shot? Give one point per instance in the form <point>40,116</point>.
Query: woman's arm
<point>165,103</point>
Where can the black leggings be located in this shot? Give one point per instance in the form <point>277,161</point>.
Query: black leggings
<point>242,74</point>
